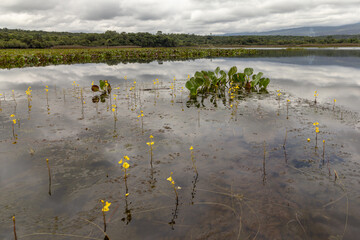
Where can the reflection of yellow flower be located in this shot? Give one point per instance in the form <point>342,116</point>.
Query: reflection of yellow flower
<point>126,165</point>
<point>105,206</point>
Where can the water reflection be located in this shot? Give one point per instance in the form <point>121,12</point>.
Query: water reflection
<point>238,150</point>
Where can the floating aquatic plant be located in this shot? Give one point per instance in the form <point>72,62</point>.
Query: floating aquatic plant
<point>212,82</point>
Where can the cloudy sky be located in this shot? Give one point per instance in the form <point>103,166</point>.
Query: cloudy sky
<point>175,16</point>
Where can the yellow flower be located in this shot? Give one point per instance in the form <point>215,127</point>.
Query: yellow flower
<point>120,162</point>
<point>334,100</point>
<point>315,123</point>
<point>308,139</point>
<point>279,94</point>
<point>46,90</point>
<point>14,121</point>
<point>191,148</point>
<point>106,206</point>
<point>170,179</point>
<point>12,115</point>
<point>324,141</point>
<point>316,129</point>
<point>126,158</point>
<point>47,86</point>
<point>150,143</point>
<point>151,136</point>
<point>47,160</point>
<point>127,194</point>
<point>126,165</point>
<point>288,100</point>
<point>92,83</point>
<point>113,109</point>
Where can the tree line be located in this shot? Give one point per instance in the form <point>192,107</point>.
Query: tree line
<point>16,38</point>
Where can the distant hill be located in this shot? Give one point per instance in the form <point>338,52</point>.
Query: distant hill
<point>350,29</point>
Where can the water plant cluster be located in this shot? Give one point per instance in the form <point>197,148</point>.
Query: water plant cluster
<point>231,83</point>
<point>214,81</point>
<point>15,58</point>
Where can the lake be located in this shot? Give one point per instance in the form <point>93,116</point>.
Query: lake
<point>258,175</point>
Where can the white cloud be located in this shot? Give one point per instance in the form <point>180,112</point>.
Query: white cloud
<point>188,16</point>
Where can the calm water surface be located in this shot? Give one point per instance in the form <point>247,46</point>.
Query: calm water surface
<point>250,185</point>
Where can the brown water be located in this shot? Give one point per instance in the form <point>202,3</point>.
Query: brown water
<point>249,186</point>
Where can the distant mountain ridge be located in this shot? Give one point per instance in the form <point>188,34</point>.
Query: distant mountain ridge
<point>349,29</point>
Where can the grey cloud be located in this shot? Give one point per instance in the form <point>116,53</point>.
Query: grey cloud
<point>101,11</point>
<point>29,6</point>
<point>188,16</point>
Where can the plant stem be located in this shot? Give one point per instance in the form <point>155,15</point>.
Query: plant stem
<point>15,237</point>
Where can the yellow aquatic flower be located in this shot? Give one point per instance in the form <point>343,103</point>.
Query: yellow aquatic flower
<point>106,206</point>
<point>113,109</point>
<point>126,165</point>
<point>120,162</point>
<point>14,121</point>
<point>46,90</point>
<point>191,148</point>
<point>315,123</point>
<point>92,83</point>
<point>308,139</point>
<point>151,136</point>
<point>170,179</point>
<point>334,100</point>
<point>279,94</point>
<point>316,129</point>
<point>324,141</point>
<point>12,115</point>
<point>127,194</point>
<point>288,100</point>
<point>126,158</point>
<point>150,143</point>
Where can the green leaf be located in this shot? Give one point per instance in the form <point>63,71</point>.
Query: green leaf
<point>248,71</point>
<point>241,77</point>
<point>266,82</point>
<point>217,70</point>
<point>102,84</point>
<point>189,85</point>
<point>199,81</point>
<point>198,75</point>
<point>232,71</point>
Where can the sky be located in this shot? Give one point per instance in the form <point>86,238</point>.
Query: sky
<point>175,16</point>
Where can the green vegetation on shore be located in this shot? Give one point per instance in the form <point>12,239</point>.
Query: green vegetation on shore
<point>14,58</point>
<point>10,38</point>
